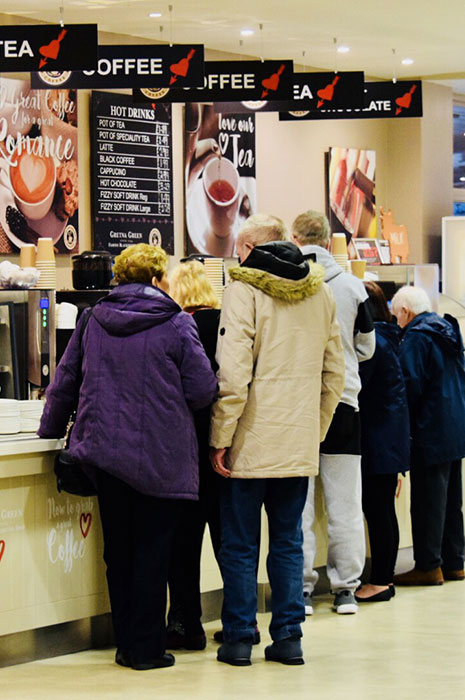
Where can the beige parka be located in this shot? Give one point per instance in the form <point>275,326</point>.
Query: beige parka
<point>281,373</point>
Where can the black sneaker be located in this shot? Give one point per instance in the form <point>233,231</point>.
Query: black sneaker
<point>286,651</point>
<point>235,653</point>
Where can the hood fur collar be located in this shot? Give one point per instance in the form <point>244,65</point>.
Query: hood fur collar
<point>289,291</point>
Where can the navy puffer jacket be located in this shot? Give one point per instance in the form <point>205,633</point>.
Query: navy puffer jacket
<point>432,360</point>
<point>384,415</point>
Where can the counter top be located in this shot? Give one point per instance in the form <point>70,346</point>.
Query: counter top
<point>27,443</point>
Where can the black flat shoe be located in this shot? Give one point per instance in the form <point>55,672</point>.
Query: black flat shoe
<point>122,658</point>
<point>380,597</point>
<point>235,653</point>
<point>162,662</point>
<point>286,651</point>
<point>175,640</point>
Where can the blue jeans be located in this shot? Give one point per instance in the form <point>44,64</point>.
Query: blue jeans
<point>241,504</point>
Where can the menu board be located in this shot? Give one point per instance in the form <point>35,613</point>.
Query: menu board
<point>132,184</point>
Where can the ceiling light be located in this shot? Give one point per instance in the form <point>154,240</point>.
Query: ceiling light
<point>247,32</point>
<point>462,179</point>
<point>407,61</point>
<point>155,14</point>
<point>343,49</point>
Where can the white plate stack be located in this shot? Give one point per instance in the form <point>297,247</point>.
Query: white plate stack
<point>30,414</point>
<point>46,264</point>
<point>214,269</point>
<point>9,417</point>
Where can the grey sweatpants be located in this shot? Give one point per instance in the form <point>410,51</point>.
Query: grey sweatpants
<point>341,479</point>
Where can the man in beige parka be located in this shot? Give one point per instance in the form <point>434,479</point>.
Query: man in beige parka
<point>281,374</point>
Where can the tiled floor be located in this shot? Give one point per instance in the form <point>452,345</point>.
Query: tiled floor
<point>410,648</point>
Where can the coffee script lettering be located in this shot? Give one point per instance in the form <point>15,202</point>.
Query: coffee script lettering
<point>65,548</point>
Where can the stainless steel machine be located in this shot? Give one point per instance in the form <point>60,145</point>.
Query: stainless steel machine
<point>27,342</point>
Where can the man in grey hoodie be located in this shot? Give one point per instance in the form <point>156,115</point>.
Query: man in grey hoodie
<point>340,468</point>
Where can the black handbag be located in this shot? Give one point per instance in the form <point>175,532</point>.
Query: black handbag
<point>70,475</point>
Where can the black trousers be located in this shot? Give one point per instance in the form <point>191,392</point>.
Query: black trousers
<point>138,532</point>
<point>185,611</point>
<point>437,520</point>
<point>378,499</point>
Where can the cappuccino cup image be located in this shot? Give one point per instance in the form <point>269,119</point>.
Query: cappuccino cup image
<point>32,180</point>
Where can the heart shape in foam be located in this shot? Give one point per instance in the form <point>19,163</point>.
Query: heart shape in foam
<point>271,83</point>
<point>404,101</point>
<point>2,548</point>
<point>50,50</point>
<point>326,93</point>
<point>85,522</point>
<point>33,172</point>
<point>180,68</point>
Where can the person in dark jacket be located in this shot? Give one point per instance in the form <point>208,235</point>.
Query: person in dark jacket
<point>385,440</point>
<point>432,359</point>
<point>193,291</point>
<point>144,371</point>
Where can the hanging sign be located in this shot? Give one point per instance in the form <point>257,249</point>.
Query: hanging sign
<point>181,65</point>
<point>132,190</point>
<point>231,81</point>
<point>310,91</point>
<point>383,100</point>
<point>27,48</point>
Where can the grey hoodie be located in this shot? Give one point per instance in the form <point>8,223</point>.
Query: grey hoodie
<point>354,317</point>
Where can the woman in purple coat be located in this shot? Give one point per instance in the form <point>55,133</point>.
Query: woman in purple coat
<point>144,371</point>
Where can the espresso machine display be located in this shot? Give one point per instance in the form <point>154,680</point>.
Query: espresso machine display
<point>41,313</point>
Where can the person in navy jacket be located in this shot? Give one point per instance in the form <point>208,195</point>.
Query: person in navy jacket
<point>432,359</point>
<point>385,439</point>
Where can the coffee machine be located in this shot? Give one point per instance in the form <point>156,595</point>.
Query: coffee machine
<point>27,342</point>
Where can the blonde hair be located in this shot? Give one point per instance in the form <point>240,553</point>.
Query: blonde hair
<point>190,286</point>
<point>263,228</point>
<point>311,227</point>
<point>140,263</point>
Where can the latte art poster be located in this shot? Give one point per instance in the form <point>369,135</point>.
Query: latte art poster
<point>39,188</point>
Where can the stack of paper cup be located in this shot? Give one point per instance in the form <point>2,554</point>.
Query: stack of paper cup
<point>66,315</point>
<point>27,255</point>
<point>46,264</point>
<point>30,414</point>
<point>214,269</point>
<point>9,417</point>
<point>339,250</point>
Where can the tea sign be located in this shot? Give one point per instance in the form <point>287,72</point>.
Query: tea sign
<point>26,48</point>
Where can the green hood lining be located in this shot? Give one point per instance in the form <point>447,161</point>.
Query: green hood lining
<point>289,291</point>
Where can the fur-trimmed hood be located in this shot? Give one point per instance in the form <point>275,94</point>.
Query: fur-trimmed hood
<point>289,291</point>
<point>279,270</point>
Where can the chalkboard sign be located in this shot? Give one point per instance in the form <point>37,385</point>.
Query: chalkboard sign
<point>132,190</point>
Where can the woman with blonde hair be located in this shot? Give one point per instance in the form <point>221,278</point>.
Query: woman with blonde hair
<point>191,288</point>
<point>142,374</point>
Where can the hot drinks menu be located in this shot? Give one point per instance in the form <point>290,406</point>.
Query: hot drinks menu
<point>132,192</point>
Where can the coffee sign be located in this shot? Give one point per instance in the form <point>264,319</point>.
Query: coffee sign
<point>231,81</point>
<point>310,91</point>
<point>129,66</point>
<point>382,100</point>
<point>27,48</point>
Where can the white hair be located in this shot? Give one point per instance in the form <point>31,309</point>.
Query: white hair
<point>414,299</point>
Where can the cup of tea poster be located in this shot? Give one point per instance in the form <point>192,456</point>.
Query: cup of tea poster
<point>39,185</point>
<point>219,177</point>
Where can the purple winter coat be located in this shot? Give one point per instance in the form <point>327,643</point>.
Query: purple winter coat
<point>143,371</point>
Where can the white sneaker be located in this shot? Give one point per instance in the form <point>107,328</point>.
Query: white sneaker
<point>308,601</point>
<point>345,603</point>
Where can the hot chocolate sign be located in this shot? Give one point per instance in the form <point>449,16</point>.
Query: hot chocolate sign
<point>38,166</point>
